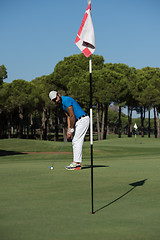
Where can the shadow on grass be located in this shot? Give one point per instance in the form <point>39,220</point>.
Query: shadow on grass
<point>134,185</point>
<point>6,153</point>
<point>94,166</point>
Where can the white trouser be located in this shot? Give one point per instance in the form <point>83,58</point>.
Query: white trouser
<point>81,128</point>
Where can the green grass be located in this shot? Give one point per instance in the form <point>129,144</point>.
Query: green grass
<point>39,204</point>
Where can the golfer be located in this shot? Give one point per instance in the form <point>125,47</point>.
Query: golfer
<point>78,123</point>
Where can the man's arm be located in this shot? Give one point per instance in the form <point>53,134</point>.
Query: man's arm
<point>70,120</point>
<point>71,116</point>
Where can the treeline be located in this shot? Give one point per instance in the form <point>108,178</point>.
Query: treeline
<point>26,111</point>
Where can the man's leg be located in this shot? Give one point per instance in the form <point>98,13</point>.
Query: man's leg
<point>81,128</point>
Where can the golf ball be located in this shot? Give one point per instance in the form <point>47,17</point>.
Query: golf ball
<point>51,168</point>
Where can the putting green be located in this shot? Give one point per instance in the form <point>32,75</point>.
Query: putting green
<point>38,203</point>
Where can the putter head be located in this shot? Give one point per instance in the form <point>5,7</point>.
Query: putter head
<point>51,168</point>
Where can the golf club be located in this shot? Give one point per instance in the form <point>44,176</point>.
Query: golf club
<point>52,167</point>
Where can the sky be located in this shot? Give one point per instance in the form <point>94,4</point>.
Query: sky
<point>37,34</point>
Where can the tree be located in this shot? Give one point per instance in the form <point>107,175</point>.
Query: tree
<point>19,99</point>
<point>14,102</point>
<point>103,86</point>
<point>3,74</point>
<point>4,93</point>
<point>131,100</point>
<point>79,88</point>
<point>40,93</point>
<point>147,93</point>
<point>153,91</point>
<point>120,86</point>
<point>26,105</point>
<point>74,66</point>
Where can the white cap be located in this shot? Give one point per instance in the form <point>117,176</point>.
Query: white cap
<point>53,95</point>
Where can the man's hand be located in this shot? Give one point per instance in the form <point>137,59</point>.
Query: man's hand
<point>70,133</point>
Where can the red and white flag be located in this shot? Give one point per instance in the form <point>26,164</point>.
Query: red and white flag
<point>85,39</point>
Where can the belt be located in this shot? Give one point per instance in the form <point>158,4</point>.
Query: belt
<point>81,117</point>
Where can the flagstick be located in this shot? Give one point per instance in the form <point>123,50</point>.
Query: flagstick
<point>86,32</point>
<point>91,130</point>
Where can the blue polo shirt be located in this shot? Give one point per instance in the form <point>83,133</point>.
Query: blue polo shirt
<point>69,101</point>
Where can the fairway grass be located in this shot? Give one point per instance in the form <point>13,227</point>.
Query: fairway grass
<point>40,204</point>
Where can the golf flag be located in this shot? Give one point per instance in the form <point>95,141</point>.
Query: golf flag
<point>135,126</point>
<point>85,39</point>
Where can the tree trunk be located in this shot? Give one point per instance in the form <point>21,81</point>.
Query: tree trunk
<point>158,129</point>
<point>120,123</point>
<point>9,128</point>
<point>56,126</point>
<point>130,121</point>
<point>44,124</point>
<point>105,121</point>
<point>142,123</point>
<point>98,126</point>
<point>64,129</point>
<point>41,134</point>
<point>12,130</point>
<point>42,128</point>
<point>27,131</point>
<point>155,124</point>
<point>149,123</point>
<point>31,123</point>
<point>47,124</point>
<point>20,128</point>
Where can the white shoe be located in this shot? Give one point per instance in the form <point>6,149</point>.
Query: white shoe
<point>74,166</point>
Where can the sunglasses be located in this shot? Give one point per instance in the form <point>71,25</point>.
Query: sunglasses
<point>54,100</point>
